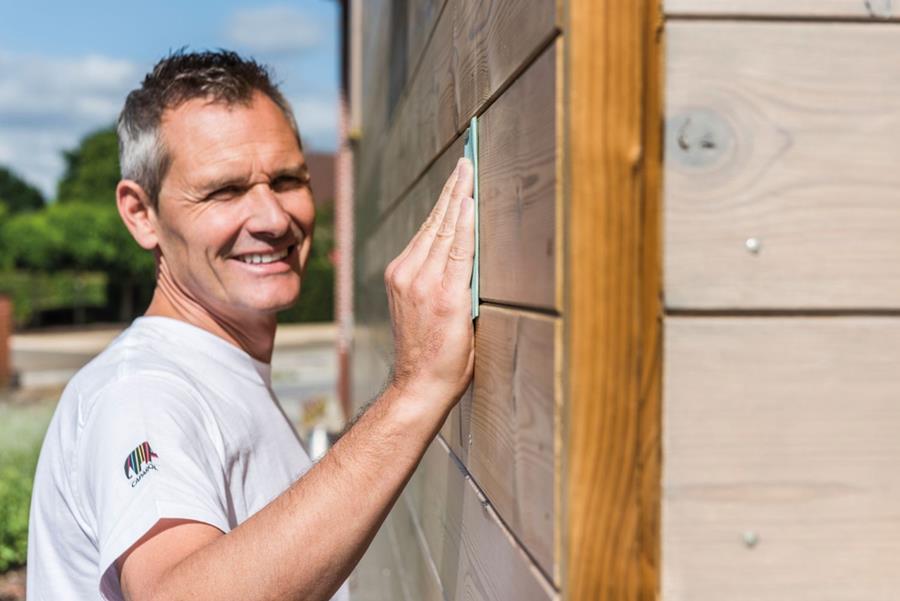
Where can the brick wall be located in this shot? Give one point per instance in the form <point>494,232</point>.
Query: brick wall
<point>6,324</point>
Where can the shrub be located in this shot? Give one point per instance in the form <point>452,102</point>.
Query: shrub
<point>22,429</point>
<point>16,478</point>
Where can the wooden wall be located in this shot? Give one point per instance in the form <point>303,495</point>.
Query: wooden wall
<point>781,395</point>
<point>480,519</point>
<point>686,380</point>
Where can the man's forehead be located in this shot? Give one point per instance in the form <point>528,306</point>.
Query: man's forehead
<point>204,134</point>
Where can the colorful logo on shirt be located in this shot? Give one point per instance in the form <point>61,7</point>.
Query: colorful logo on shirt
<point>139,462</point>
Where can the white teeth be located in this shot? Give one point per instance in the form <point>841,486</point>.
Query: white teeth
<point>257,258</point>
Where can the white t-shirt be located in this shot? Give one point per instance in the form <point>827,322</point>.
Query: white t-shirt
<point>170,421</point>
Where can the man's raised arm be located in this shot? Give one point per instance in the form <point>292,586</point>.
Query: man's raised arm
<point>306,542</point>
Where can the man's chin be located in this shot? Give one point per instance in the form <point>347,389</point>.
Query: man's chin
<point>274,305</point>
<point>277,299</point>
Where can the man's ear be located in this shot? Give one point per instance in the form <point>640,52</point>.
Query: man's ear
<point>135,210</point>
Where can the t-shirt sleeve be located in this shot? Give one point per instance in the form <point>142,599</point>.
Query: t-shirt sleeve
<point>148,450</point>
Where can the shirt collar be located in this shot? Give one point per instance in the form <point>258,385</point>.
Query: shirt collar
<point>195,339</point>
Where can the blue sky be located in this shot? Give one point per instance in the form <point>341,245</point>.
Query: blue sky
<point>65,67</point>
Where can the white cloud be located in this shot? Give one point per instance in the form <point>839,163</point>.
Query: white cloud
<point>274,29</point>
<point>55,89</point>
<point>317,120</point>
<point>47,104</point>
<point>36,154</point>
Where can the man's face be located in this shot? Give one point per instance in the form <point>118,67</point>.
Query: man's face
<point>235,214</point>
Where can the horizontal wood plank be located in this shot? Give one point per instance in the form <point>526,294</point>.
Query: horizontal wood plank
<point>422,16</point>
<point>780,183</point>
<point>863,9</point>
<point>521,257</point>
<point>780,477</point>
<point>475,557</point>
<point>504,433</point>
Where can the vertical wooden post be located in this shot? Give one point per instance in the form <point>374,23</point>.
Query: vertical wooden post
<point>6,326</point>
<point>613,337</point>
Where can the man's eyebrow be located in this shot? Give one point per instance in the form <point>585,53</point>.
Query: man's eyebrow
<point>300,171</point>
<point>224,181</point>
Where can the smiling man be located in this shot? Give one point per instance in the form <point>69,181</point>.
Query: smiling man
<point>169,470</point>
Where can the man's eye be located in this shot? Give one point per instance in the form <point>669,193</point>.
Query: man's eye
<point>226,192</point>
<point>286,183</point>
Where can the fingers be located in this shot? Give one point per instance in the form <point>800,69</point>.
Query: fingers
<point>433,267</point>
<point>458,271</point>
<point>418,247</point>
<point>436,262</point>
<point>466,183</point>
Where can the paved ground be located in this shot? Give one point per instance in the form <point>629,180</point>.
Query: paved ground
<point>304,365</point>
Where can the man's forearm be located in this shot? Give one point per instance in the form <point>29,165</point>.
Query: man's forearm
<point>305,543</point>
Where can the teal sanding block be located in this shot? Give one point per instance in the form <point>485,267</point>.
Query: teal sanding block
<point>471,153</point>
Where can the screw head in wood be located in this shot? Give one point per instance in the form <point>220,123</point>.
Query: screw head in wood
<point>750,539</point>
<point>753,245</point>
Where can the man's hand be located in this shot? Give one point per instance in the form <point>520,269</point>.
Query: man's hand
<point>430,303</point>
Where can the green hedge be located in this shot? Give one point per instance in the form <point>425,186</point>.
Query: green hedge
<point>16,478</point>
<point>33,292</point>
<point>21,432</point>
<point>316,302</point>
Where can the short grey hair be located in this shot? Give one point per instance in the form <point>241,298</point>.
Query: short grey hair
<point>221,76</point>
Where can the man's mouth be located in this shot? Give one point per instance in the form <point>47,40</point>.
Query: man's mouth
<point>263,258</point>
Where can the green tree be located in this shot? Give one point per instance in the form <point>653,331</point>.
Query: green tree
<point>17,194</point>
<point>30,242</point>
<point>92,170</point>
<point>85,217</point>
<point>6,260</point>
<point>317,289</point>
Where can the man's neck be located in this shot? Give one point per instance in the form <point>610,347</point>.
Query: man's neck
<point>253,334</point>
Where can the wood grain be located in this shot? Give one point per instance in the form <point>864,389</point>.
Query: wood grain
<point>493,40</point>
<point>475,557</point>
<point>520,228</point>
<point>422,16</point>
<point>521,257</point>
<point>473,53</point>
<point>785,428</point>
<point>504,430</point>
<point>785,135</point>
<point>398,228</point>
<point>511,431</point>
<point>475,50</point>
<point>861,9</point>
<point>611,487</point>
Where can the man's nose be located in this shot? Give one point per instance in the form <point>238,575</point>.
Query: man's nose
<point>267,214</point>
